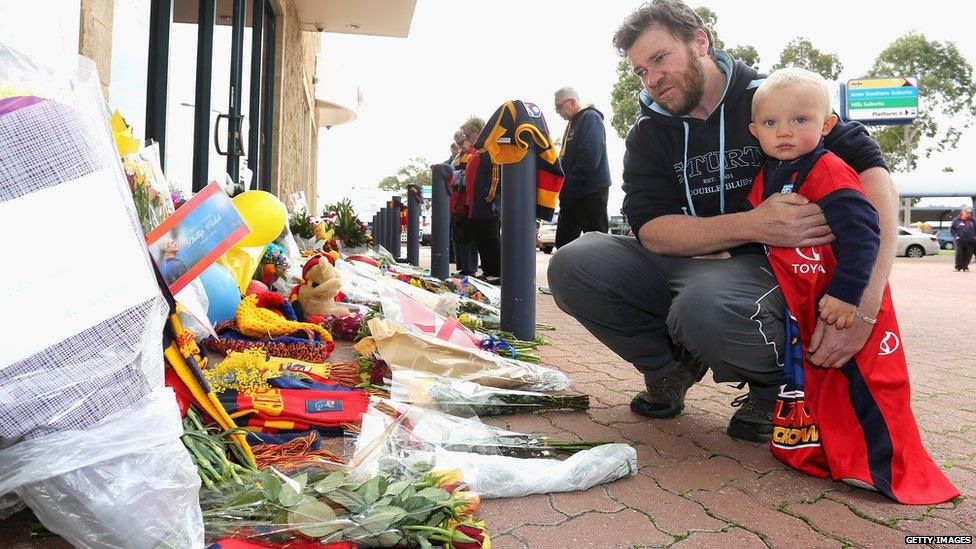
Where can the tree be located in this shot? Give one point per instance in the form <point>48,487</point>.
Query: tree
<point>416,171</point>
<point>801,53</point>
<point>945,90</point>
<point>623,99</point>
<point>710,19</point>
<point>746,54</point>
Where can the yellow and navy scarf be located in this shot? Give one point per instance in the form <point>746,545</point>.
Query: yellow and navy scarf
<point>512,130</point>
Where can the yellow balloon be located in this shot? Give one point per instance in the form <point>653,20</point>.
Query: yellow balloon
<point>263,213</point>
<point>241,262</point>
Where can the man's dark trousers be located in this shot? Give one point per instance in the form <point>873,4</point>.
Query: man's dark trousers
<point>727,312</point>
<point>582,215</point>
<point>964,254</point>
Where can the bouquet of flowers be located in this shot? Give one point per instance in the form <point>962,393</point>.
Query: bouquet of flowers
<point>312,504</point>
<point>494,462</point>
<point>461,398</point>
<point>274,264</point>
<point>301,225</point>
<point>149,189</point>
<point>349,230</point>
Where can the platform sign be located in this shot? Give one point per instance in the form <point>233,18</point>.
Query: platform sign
<point>882,100</point>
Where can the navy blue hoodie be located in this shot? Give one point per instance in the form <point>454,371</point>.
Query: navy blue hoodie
<point>673,164</point>
<point>584,155</point>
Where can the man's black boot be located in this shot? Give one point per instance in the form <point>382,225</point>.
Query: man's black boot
<point>753,421</point>
<point>665,397</point>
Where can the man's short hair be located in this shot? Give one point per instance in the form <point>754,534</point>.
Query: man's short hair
<point>794,76</point>
<point>673,15</point>
<point>567,93</point>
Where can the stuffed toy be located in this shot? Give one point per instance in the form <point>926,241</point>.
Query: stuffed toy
<point>321,284</point>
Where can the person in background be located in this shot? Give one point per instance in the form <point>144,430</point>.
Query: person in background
<point>465,248</point>
<point>484,210</point>
<point>583,155</point>
<point>963,231</point>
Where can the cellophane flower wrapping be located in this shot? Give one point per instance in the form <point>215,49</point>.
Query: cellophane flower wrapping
<point>403,348</point>
<point>411,437</point>
<point>85,423</point>
<point>463,398</point>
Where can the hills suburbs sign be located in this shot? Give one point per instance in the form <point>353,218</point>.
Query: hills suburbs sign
<point>882,100</point>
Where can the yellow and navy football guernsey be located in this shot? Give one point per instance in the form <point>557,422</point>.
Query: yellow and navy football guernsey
<point>512,130</point>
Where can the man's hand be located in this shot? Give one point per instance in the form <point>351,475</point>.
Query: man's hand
<point>833,348</point>
<point>790,221</point>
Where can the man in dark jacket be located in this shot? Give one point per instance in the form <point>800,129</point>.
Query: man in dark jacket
<point>963,230</point>
<point>693,291</point>
<point>583,198</point>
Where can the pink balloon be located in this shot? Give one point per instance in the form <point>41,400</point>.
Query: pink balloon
<point>255,286</point>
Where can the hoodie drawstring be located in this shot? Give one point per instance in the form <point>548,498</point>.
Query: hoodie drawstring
<point>721,160</point>
<point>684,173</point>
<point>721,165</point>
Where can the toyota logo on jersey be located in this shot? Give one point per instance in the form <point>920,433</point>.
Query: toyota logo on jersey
<point>811,255</point>
<point>889,344</point>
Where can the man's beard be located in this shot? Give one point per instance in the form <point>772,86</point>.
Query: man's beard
<point>690,85</point>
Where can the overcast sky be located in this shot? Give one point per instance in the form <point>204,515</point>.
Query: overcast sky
<point>468,58</point>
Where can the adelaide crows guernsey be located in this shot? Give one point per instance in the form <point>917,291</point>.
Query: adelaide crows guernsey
<point>853,423</point>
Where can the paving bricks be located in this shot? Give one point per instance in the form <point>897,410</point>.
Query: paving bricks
<point>510,513</point>
<point>777,528</point>
<point>836,520</point>
<point>624,528</point>
<point>671,513</point>
<point>734,537</point>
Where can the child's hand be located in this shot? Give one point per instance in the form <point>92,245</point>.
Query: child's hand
<point>838,313</point>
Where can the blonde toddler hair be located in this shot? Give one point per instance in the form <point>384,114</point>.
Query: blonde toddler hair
<point>793,76</point>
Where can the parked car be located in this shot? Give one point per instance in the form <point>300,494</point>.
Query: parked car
<point>546,235</point>
<point>619,225</point>
<point>915,243</point>
<point>946,241</point>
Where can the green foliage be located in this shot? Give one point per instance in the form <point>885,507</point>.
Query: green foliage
<point>710,19</point>
<point>801,53</point>
<point>416,171</point>
<point>746,54</point>
<point>945,87</point>
<point>623,99</point>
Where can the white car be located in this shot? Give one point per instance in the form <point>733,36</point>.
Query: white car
<point>546,235</point>
<point>915,243</point>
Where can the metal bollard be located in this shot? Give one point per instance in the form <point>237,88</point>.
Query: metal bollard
<point>374,229</point>
<point>518,247</point>
<point>397,228</point>
<point>414,201</point>
<point>392,245</point>
<point>381,227</point>
<point>440,219</point>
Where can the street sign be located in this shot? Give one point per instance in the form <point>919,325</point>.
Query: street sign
<point>882,100</point>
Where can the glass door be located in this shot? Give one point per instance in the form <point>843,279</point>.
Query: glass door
<point>216,87</point>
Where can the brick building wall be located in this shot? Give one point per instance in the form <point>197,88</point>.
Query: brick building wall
<point>95,36</point>
<point>295,131</point>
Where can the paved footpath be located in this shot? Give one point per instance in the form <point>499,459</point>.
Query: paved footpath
<point>699,488</point>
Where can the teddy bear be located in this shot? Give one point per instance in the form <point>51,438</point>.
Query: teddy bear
<point>317,293</point>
